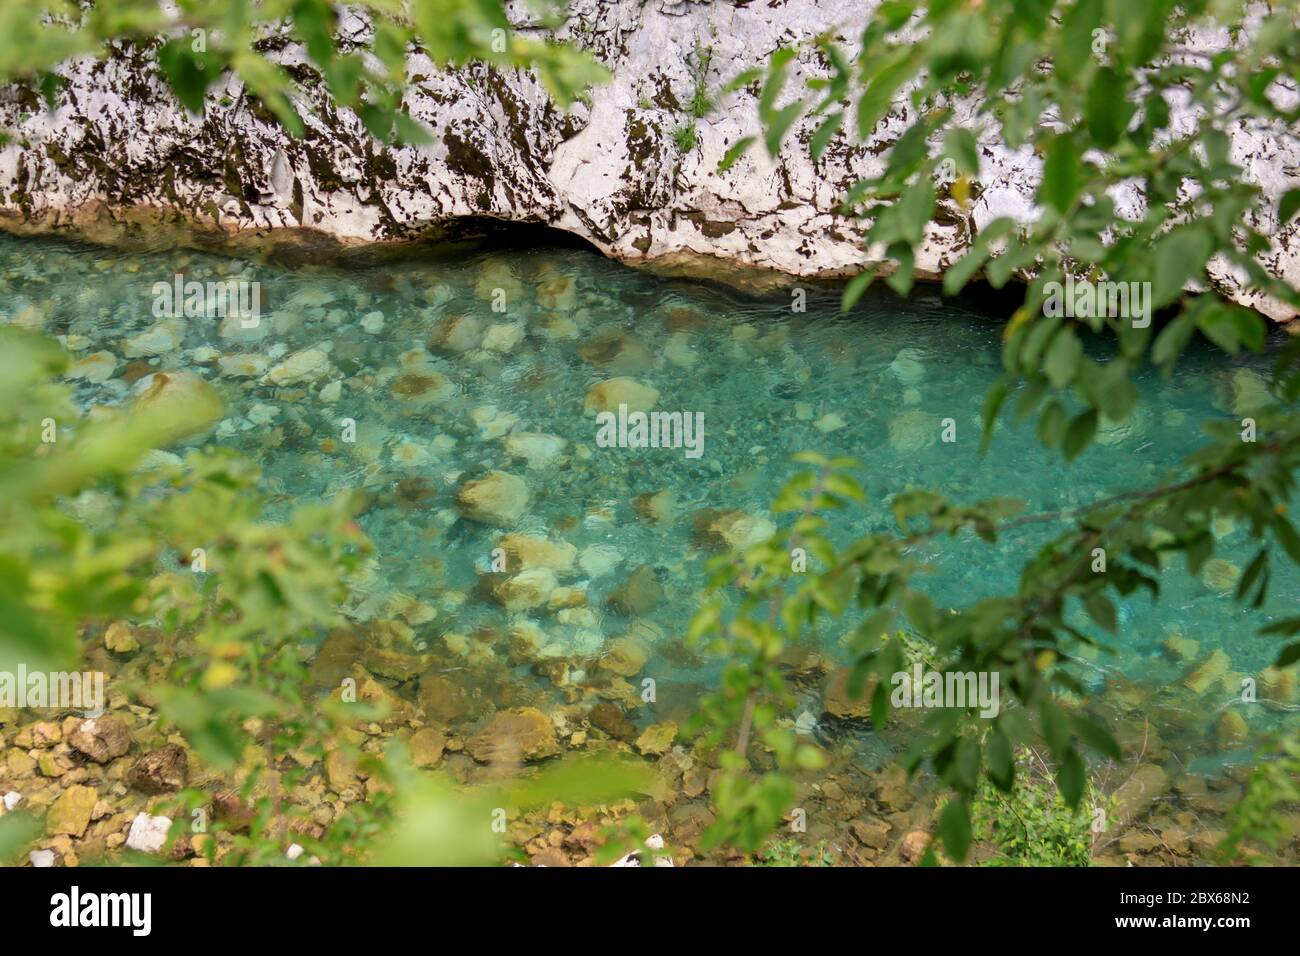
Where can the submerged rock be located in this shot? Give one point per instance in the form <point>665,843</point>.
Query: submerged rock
<point>457,334</point>
<point>657,508</point>
<point>243,365</point>
<point>160,339</point>
<point>1208,673</point>
<point>731,529</point>
<point>70,813</point>
<point>160,771</point>
<point>442,699</point>
<point>182,399</point>
<point>525,590</point>
<point>1136,795</point>
<point>608,395</point>
<point>913,430</point>
<point>625,656</point>
<point>101,738</point>
<point>610,719</point>
<point>657,739</point>
<point>1220,575</point>
<point>520,734</point>
<point>1232,730</point>
<point>427,747</point>
<point>639,594</point>
<point>95,367</point>
<point>303,367</point>
<point>497,499</point>
<point>526,552</point>
<point>537,449</point>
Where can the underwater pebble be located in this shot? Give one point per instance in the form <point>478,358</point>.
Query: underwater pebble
<point>608,395</point>
<point>309,365</point>
<point>95,367</point>
<point>161,338</point>
<point>599,560</point>
<point>503,337</point>
<point>537,449</point>
<point>831,422</point>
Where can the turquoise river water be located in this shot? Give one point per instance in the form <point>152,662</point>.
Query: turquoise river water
<point>440,388</point>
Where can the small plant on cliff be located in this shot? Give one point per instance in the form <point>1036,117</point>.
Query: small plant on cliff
<point>684,137</point>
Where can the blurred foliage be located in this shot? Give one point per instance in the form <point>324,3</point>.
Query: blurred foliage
<point>199,41</point>
<point>1254,823</point>
<point>1089,86</point>
<point>98,526</point>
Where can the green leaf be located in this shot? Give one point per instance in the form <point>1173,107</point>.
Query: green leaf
<point>1290,654</point>
<point>1177,258</point>
<point>854,289</point>
<point>1055,730</point>
<point>997,753</point>
<point>735,152</point>
<point>1079,434</point>
<point>824,134</point>
<point>954,829</point>
<point>1097,737</point>
<point>960,144</point>
<point>1062,174</point>
<point>778,124</point>
<point>1107,111</point>
<point>1101,610</point>
<point>1062,359</point>
<point>1288,206</point>
<point>1071,778</point>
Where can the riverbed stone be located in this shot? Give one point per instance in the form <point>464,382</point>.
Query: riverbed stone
<point>161,771</point>
<point>1208,673</point>
<point>538,449</point>
<point>70,813</point>
<point>522,733</point>
<point>498,498</point>
<point>95,367</point>
<point>526,552</point>
<point>427,747</point>
<point>101,738</point>
<point>1136,794</point>
<point>657,739</point>
<point>608,395</point>
<point>525,590</point>
<point>304,366</point>
<point>625,656</point>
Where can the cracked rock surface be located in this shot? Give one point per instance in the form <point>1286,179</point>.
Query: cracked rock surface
<point>117,159</point>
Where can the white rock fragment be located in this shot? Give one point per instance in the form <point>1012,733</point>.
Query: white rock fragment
<point>308,365</point>
<point>12,799</point>
<point>537,449</point>
<point>261,414</point>
<point>95,367</point>
<point>161,338</point>
<point>148,834</point>
<point>372,322</point>
<point>243,365</point>
<point>503,336</point>
<point>41,858</point>
<point>654,842</point>
<point>599,560</point>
